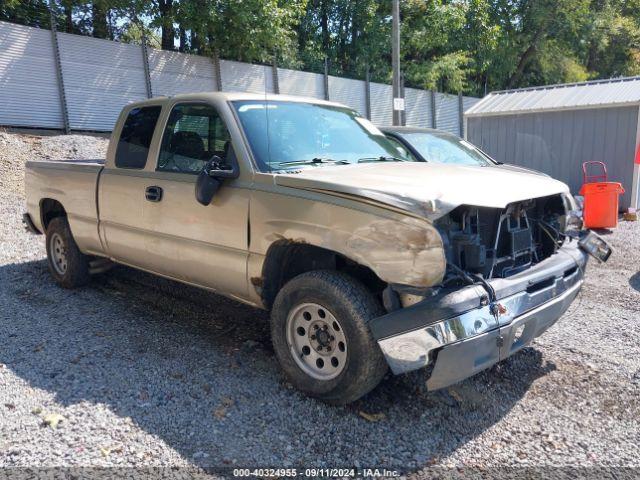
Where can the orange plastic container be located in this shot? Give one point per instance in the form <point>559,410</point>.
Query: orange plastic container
<point>601,204</point>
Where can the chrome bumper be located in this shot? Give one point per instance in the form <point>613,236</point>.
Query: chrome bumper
<point>468,340</point>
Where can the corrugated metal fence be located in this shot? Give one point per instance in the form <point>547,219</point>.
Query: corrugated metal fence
<point>99,77</point>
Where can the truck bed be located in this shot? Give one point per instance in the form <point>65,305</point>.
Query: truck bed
<point>71,183</point>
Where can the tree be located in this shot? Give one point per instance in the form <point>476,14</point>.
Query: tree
<point>253,33</point>
<point>99,11</point>
<point>472,46</point>
<point>26,12</point>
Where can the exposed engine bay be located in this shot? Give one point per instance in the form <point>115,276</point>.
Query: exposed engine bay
<point>498,243</point>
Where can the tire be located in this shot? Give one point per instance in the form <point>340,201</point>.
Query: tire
<point>347,372</point>
<point>67,264</point>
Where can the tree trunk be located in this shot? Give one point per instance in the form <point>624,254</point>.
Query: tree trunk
<point>67,7</point>
<point>303,26</point>
<point>355,24</point>
<point>99,19</point>
<point>166,19</point>
<point>183,39</point>
<point>195,43</point>
<point>324,25</point>
<point>526,57</point>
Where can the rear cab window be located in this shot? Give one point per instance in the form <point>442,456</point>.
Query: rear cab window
<point>135,137</point>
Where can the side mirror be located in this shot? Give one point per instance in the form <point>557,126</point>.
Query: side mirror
<point>206,187</point>
<point>210,179</point>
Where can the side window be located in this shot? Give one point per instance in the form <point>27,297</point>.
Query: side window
<point>135,138</point>
<point>193,135</point>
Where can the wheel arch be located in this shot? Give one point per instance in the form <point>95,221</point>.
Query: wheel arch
<point>50,208</point>
<point>286,259</point>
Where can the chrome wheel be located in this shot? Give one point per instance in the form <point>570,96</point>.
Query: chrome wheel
<point>58,253</point>
<point>317,341</point>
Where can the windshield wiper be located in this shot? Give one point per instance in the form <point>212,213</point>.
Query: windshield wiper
<point>314,161</point>
<point>382,158</point>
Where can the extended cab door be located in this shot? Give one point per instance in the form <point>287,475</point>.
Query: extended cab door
<point>204,245</point>
<point>121,190</point>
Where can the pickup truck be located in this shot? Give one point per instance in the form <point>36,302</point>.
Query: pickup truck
<point>367,261</point>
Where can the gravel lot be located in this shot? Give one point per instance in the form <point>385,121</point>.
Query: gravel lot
<point>145,372</point>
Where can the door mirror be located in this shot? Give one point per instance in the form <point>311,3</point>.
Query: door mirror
<point>206,187</point>
<point>207,184</point>
<point>210,178</point>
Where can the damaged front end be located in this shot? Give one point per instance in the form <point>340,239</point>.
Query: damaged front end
<point>498,243</point>
<point>511,273</point>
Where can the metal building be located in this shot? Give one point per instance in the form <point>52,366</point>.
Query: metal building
<point>555,128</point>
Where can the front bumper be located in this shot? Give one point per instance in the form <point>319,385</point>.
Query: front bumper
<point>460,333</point>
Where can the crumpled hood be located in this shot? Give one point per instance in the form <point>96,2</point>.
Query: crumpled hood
<point>427,189</point>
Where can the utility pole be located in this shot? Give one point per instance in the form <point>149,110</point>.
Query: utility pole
<point>398,100</point>
<point>58,63</point>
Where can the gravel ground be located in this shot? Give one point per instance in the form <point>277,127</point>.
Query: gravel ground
<point>141,371</point>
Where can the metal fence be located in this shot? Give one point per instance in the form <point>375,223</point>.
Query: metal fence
<point>58,80</point>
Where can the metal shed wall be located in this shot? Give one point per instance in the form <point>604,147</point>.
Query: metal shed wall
<point>468,102</point>
<point>418,108</point>
<point>28,84</point>
<point>558,142</point>
<point>348,92</point>
<point>173,73</point>
<point>381,103</point>
<point>448,113</point>
<point>305,84</point>
<point>245,77</point>
<point>100,77</point>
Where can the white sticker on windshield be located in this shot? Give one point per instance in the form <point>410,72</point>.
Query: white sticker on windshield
<point>369,127</point>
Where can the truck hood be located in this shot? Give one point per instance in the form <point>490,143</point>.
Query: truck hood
<point>427,189</point>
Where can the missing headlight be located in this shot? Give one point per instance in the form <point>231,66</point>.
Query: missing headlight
<point>498,243</point>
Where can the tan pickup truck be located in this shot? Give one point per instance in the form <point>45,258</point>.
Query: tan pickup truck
<point>367,261</point>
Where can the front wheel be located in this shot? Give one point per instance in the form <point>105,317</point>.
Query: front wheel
<point>321,338</point>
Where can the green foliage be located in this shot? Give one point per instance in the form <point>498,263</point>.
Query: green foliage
<point>134,32</point>
<point>26,12</point>
<point>445,73</point>
<point>472,46</point>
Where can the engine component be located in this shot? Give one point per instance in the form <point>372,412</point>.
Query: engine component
<point>500,243</point>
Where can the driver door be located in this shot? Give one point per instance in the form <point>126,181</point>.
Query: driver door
<point>203,245</point>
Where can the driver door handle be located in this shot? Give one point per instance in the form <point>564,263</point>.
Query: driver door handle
<point>153,193</point>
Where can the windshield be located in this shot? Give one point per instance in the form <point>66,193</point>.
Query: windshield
<point>292,135</point>
<point>443,148</point>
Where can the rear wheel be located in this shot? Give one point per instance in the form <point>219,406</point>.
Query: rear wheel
<point>321,338</point>
<point>67,264</point>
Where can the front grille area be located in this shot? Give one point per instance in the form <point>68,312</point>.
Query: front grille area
<point>499,243</point>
